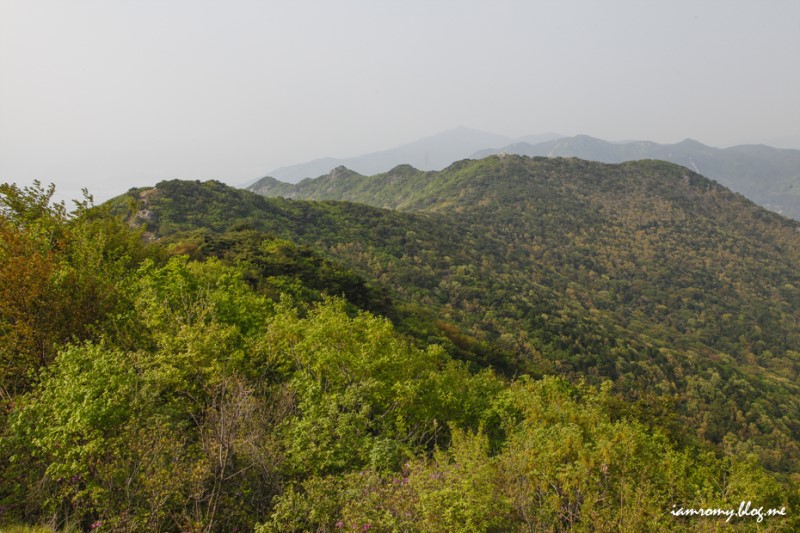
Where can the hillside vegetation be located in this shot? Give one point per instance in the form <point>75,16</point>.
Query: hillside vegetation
<point>508,345</point>
<point>768,176</point>
<point>645,273</point>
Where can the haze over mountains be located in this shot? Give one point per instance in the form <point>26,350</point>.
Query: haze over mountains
<point>768,176</point>
<point>403,325</point>
<point>430,153</point>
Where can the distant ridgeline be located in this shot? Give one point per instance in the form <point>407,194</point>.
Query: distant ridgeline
<point>768,176</point>
<point>685,294</point>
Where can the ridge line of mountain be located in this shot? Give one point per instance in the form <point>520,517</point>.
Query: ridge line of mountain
<point>768,176</point>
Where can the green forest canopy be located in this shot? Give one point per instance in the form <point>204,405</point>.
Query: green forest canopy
<point>240,376</point>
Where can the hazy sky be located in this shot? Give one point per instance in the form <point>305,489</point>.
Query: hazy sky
<point>111,94</point>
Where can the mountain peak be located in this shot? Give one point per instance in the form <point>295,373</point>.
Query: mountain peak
<point>689,142</point>
<point>342,171</point>
<point>404,168</point>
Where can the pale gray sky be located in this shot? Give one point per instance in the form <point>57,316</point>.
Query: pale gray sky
<point>111,94</point>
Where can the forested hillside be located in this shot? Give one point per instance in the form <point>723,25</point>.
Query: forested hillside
<point>768,176</point>
<point>517,345</point>
<point>642,272</point>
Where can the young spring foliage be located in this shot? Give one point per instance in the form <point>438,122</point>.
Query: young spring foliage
<point>680,292</point>
<point>248,390</point>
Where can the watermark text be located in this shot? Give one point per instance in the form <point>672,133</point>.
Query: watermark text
<point>745,510</point>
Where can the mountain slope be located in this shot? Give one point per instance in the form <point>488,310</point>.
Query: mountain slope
<point>648,252</point>
<point>646,273</point>
<point>768,176</point>
<point>659,215</point>
<point>224,391</point>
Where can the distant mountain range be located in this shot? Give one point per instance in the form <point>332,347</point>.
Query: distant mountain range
<point>768,176</point>
<point>430,153</point>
